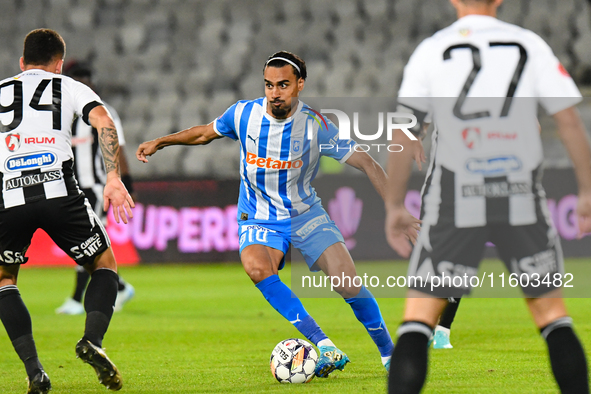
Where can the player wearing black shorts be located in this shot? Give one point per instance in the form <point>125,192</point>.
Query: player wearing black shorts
<point>480,81</point>
<point>40,191</point>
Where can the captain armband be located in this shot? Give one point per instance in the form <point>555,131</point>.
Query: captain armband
<point>418,130</point>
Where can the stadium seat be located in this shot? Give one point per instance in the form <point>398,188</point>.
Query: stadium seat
<point>167,161</point>
<point>82,15</point>
<point>196,161</point>
<point>132,37</point>
<point>183,62</point>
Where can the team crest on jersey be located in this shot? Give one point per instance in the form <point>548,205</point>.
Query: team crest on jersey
<point>465,32</point>
<point>13,142</point>
<point>296,146</point>
<point>471,137</point>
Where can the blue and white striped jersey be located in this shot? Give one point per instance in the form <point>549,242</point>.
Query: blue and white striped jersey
<point>279,157</point>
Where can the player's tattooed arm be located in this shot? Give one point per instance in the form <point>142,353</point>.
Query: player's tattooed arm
<point>101,120</point>
<point>114,193</point>
<point>109,144</point>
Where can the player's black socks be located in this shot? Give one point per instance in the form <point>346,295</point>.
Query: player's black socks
<point>567,357</point>
<point>408,368</point>
<point>17,321</point>
<point>99,303</point>
<point>82,277</point>
<point>449,314</point>
<point>26,350</point>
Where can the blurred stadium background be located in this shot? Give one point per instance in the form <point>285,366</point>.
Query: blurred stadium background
<point>166,65</point>
<point>169,64</point>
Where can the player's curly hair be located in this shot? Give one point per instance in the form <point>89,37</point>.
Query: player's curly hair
<point>289,57</point>
<point>42,46</point>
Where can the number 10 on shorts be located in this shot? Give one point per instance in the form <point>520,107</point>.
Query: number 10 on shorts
<point>255,234</point>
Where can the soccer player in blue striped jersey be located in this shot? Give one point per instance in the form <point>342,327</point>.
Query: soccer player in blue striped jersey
<point>280,152</point>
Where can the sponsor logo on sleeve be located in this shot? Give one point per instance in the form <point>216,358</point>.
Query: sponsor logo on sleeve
<point>26,162</point>
<point>493,165</point>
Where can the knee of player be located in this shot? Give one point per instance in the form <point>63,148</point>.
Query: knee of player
<point>258,274</point>
<point>7,279</point>
<point>347,291</point>
<point>104,260</point>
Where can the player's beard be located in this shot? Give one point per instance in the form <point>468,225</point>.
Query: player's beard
<point>280,112</point>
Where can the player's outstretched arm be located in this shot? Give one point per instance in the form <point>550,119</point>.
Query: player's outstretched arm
<point>400,226</point>
<point>114,193</point>
<point>197,135</point>
<point>574,137</point>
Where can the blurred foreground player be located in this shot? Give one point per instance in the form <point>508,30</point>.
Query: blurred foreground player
<point>89,170</point>
<point>480,82</point>
<point>278,206</point>
<point>40,191</point>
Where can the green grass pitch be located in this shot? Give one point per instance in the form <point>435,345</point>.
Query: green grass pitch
<point>206,329</point>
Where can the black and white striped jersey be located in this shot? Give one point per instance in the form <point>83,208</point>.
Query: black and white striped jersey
<point>480,81</point>
<point>37,109</point>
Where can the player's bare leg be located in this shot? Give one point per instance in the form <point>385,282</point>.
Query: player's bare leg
<point>336,262</point>
<point>567,357</point>
<point>17,321</point>
<point>99,303</point>
<point>409,360</point>
<point>260,262</point>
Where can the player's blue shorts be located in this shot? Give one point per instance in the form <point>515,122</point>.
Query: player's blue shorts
<point>311,233</point>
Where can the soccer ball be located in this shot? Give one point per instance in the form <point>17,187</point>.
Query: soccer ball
<point>293,361</point>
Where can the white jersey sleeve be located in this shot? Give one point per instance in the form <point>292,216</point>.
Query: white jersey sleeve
<point>415,88</point>
<point>556,89</point>
<point>83,99</point>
